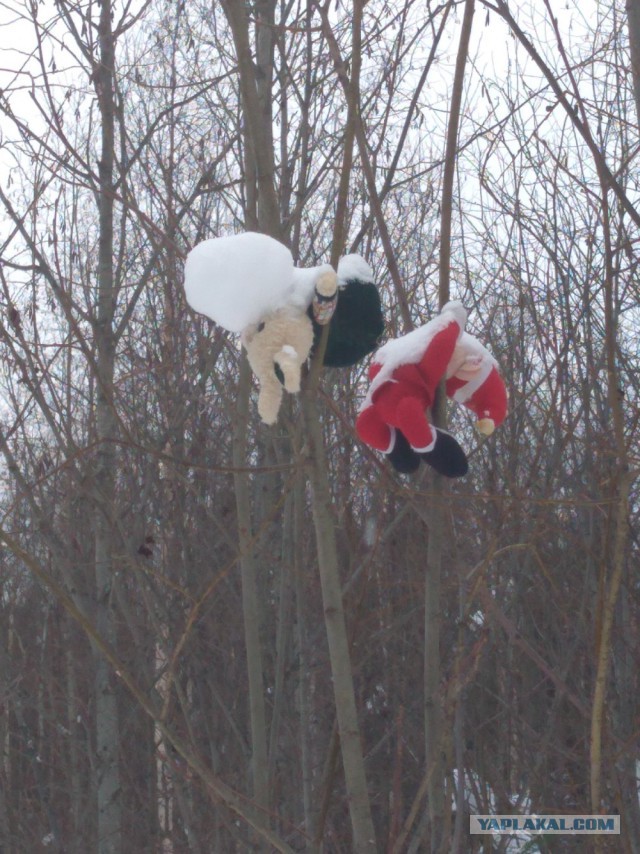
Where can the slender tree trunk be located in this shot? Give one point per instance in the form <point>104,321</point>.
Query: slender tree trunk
<point>256,98</point>
<point>335,623</point>
<point>250,604</point>
<point>433,723</point>
<point>256,103</point>
<point>624,714</point>
<point>302,693</point>
<point>433,727</point>
<point>433,735</point>
<point>283,634</point>
<point>339,652</point>
<point>633,18</point>
<point>107,767</point>
<point>614,562</point>
<point>255,81</point>
<point>77,797</point>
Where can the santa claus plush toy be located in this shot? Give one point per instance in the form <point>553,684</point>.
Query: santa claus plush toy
<point>405,374</point>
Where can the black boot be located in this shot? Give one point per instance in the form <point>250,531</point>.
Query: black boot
<point>402,457</point>
<point>446,457</point>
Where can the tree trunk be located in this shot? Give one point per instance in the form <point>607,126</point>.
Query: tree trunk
<point>250,606</point>
<point>107,767</point>
<point>623,714</point>
<point>434,736</point>
<point>633,17</point>
<point>302,692</point>
<point>339,652</point>
<point>613,565</point>
<point>256,101</point>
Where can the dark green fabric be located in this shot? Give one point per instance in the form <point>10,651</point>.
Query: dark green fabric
<point>356,325</point>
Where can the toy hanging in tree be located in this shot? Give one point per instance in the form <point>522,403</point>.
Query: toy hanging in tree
<point>248,283</point>
<point>405,374</point>
<point>357,323</point>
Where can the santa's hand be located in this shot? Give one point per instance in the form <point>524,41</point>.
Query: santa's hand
<point>486,426</point>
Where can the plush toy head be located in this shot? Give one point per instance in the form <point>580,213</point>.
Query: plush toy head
<point>277,347</point>
<point>473,379</point>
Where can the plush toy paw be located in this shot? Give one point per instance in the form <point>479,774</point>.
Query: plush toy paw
<point>269,401</point>
<point>446,457</point>
<point>325,297</point>
<point>327,284</point>
<point>485,426</point>
<point>288,362</point>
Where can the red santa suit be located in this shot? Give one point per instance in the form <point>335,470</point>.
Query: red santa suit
<point>405,375</point>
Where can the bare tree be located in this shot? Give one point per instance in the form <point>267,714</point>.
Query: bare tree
<point>633,17</point>
<point>214,632</point>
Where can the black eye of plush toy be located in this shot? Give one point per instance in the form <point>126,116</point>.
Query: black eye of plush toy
<point>260,326</point>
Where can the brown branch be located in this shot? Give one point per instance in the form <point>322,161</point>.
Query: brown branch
<point>501,8</point>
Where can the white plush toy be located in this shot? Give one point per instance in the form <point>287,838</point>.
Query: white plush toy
<point>248,283</point>
<point>279,345</point>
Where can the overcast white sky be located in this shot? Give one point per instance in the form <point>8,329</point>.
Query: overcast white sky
<point>493,51</point>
